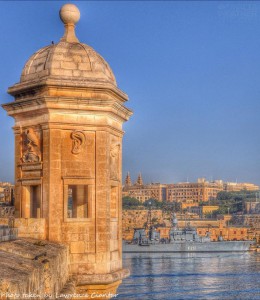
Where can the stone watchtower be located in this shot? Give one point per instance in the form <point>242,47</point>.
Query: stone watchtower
<point>68,116</point>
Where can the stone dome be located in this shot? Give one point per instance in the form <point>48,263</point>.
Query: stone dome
<point>68,60</point>
<point>65,60</point>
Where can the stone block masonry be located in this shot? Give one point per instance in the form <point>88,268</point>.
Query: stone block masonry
<point>32,269</point>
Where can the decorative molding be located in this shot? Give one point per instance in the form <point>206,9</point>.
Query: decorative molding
<point>31,181</point>
<point>31,167</point>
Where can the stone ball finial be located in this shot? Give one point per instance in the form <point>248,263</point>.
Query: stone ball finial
<point>69,14</point>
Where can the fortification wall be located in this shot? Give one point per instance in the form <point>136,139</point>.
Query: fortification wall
<point>137,219</point>
<point>252,220</point>
<point>28,227</point>
<point>32,269</point>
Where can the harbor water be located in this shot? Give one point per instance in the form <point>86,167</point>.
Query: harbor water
<point>181,276</point>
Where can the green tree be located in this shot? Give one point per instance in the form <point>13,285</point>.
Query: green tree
<point>224,195</point>
<point>233,202</point>
<point>154,203</point>
<point>130,203</point>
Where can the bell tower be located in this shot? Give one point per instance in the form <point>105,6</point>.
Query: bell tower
<point>68,114</point>
<point>128,181</point>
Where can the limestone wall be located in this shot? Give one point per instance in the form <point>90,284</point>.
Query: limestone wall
<point>252,220</point>
<point>29,266</point>
<point>137,219</point>
<point>28,228</point>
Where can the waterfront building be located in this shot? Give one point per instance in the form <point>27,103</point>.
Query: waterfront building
<point>204,209</point>
<point>230,233</point>
<point>188,193</point>
<point>200,191</point>
<point>6,192</point>
<point>68,114</point>
<point>143,192</point>
<point>236,187</point>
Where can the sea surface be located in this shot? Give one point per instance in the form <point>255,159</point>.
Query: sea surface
<point>181,276</point>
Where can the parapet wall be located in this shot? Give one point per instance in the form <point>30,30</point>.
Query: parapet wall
<point>28,228</point>
<point>7,233</point>
<point>32,269</point>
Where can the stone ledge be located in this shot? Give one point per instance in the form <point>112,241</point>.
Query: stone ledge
<point>97,279</point>
<point>30,265</point>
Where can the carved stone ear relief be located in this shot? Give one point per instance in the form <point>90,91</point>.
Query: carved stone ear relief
<point>30,147</point>
<point>78,141</point>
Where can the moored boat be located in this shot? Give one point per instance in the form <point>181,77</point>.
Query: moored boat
<point>180,240</point>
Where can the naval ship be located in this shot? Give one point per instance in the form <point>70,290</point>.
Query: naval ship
<point>180,240</point>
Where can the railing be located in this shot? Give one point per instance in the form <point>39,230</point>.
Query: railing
<point>7,211</point>
<point>7,233</point>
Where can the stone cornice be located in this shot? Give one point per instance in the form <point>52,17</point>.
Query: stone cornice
<point>101,86</point>
<point>68,105</point>
<point>73,126</point>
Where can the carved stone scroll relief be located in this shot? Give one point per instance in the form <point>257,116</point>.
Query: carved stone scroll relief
<point>114,159</point>
<point>78,141</point>
<point>31,147</point>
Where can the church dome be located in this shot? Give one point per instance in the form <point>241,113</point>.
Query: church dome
<point>69,59</point>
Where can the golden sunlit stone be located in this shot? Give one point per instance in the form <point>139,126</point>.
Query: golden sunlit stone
<point>68,116</point>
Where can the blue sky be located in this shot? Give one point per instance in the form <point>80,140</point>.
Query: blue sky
<point>191,70</point>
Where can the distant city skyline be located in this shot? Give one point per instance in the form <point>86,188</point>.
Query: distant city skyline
<point>191,70</point>
<point>135,177</point>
